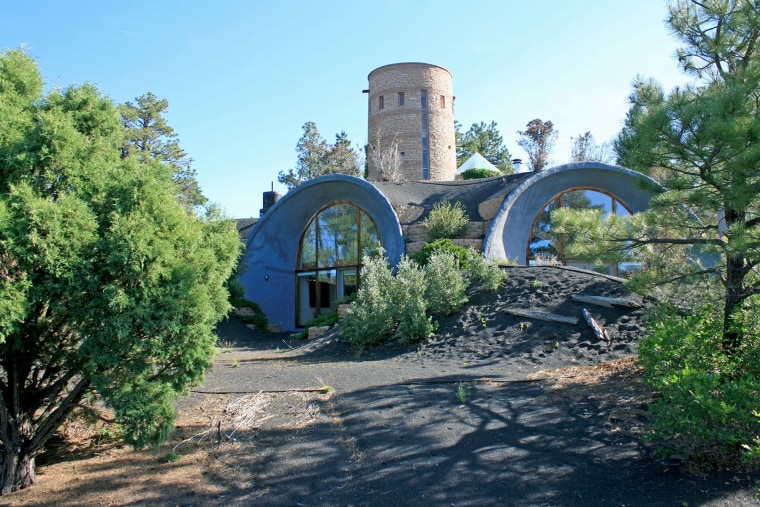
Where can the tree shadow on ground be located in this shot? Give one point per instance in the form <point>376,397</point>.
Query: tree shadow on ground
<point>509,444</point>
<point>427,442</point>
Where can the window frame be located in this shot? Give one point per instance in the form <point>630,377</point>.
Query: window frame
<point>316,268</point>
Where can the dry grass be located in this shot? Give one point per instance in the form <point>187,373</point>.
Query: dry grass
<point>214,434</point>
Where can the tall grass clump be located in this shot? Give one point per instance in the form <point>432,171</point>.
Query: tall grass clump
<point>707,414</point>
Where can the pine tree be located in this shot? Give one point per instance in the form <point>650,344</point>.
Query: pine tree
<point>149,135</point>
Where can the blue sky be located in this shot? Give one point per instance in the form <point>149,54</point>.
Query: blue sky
<point>243,76</point>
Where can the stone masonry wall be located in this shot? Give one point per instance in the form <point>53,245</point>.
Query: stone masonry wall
<point>488,209</point>
<point>408,213</point>
<point>415,236</point>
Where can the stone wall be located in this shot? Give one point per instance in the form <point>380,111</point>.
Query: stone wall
<point>416,235</point>
<point>408,213</point>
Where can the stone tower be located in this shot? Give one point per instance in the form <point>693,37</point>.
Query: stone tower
<point>411,133</point>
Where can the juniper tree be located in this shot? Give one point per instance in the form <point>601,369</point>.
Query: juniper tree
<point>109,289</point>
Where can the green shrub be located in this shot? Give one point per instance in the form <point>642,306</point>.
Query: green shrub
<point>400,306</point>
<point>445,286</point>
<point>409,290</point>
<point>237,300</point>
<point>258,318</point>
<point>235,287</point>
<point>446,220</point>
<point>389,306</point>
<point>707,413</point>
<point>374,315</point>
<point>442,246</point>
<point>476,174</point>
<point>489,275</point>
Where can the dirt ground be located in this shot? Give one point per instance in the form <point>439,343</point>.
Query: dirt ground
<point>496,409</point>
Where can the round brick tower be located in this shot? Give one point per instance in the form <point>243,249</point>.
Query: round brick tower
<point>411,132</point>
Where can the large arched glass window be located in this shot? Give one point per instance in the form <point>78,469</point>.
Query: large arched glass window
<point>330,257</point>
<point>547,248</point>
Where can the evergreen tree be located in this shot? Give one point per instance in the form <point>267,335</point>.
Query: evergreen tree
<point>316,157</point>
<point>486,140</point>
<point>148,134</point>
<point>341,158</point>
<point>697,244</point>
<point>704,141</point>
<point>109,289</point>
<point>701,142</point>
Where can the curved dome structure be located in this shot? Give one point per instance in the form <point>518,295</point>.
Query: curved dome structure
<point>274,253</point>
<point>511,228</point>
<point>307,249</point>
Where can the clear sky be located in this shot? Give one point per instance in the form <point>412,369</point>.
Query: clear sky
<point>243,76</point>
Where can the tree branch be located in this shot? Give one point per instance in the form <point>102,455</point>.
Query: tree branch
<point>46,430</point>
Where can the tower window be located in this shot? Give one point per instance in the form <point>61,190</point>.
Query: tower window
<point>443,102</point>
<point>400,98</point>
<point>381,102</point>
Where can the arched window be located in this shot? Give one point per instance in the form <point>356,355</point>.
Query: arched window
<point>547,248</point>
<point>330,257</point>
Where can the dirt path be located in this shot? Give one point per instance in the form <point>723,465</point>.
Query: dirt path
<point>571,438</point>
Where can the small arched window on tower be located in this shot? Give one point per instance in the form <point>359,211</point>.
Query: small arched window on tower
<point>443,102</point>
<point>381,102</point>
<point>400,98</point>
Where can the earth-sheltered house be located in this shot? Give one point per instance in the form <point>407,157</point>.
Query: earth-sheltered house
<point>306,250</point>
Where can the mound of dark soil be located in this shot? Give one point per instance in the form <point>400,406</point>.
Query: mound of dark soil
<point>486,328</point>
